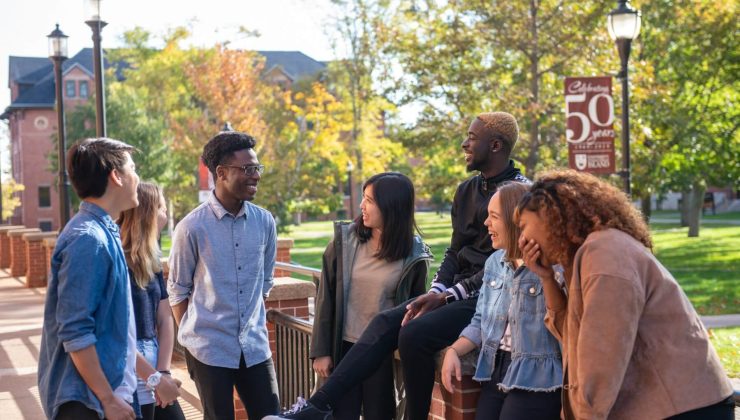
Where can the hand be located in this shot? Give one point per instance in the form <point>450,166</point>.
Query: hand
<point>323,366</point>
<point>421,305</point>
<point>450,365</point>
<point>532,256</point>
<point>116,408</point>
<point>167,391</point>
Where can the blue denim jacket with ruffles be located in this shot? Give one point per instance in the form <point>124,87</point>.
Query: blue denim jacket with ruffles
<point>514,297</point>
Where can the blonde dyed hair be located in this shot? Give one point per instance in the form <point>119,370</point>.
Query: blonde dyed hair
<point>139,233</point>
<point>502,125</point>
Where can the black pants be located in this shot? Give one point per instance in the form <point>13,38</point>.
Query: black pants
<point>418,342</point>
<point>75,410</point>
<point>256,386</point>
<point>723,410</point>
<point>374,395</point>
<point>494,404</point>
<point>155,412</point>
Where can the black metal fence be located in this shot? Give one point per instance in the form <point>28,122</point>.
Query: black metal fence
<point>293,367</point>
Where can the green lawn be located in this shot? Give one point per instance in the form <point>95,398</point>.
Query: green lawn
<point>727,343</point>
<point>708,267</point>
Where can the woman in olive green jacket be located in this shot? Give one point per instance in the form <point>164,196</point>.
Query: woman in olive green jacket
<point>374,263</point>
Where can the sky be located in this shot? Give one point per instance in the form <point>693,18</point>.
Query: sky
<point>284,25</point>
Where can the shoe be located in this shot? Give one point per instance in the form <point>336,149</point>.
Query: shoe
<point>302,410</point>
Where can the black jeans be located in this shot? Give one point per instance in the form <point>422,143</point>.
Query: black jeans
<point>75,410</point>
<point>256,385</point>
<point>723,410</point>
<point>418,342</point>
<point>517,404</point>
<point>374,395</point>
<point>155,412</point>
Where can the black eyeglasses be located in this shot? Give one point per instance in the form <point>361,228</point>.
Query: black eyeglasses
<point>249,170</point>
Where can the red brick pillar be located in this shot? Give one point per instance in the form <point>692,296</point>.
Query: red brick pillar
<point>18,251</point>
<point>460,404</point>
<point>49,244</point>
<point>36,267</point>
<point>5,244</point>
<point>284,246</point>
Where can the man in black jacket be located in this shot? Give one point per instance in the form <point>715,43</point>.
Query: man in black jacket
<point>431,322</point>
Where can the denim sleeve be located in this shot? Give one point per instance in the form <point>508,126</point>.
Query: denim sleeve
<point>473,331</point>
<point>85,268</point>
<point>270,253</point>
<point>183,257</point>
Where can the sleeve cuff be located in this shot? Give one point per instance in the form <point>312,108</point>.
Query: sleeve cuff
<point>437,288</point>
<point>80,343</point>
<point>473,334</point>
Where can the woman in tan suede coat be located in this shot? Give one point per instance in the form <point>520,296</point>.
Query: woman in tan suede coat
<point>633,346</point>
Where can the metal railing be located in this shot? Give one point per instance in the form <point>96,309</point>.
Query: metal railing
<point>293,367</point>
<point>299,269</point>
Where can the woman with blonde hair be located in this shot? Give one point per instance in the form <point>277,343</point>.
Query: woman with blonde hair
<point>633,346</point>
<point>519,364</point>
<point>155,332</point>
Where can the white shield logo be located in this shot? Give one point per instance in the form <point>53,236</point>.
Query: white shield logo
<point>581,162</point>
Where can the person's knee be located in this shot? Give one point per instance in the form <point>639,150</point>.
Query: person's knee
<point>411,339</point>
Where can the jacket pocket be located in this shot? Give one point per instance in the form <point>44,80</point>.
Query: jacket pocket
<point>529,298</point>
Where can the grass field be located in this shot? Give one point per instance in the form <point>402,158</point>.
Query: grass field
<point>707,267</point>
<point>727,343</point>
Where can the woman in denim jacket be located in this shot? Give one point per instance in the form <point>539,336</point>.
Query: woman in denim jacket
<point>519,362</point>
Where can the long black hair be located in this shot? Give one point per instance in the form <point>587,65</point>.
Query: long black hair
<point>394,196</point>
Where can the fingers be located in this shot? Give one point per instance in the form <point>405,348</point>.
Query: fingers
<point>458,374</point>
<point>408,317</point>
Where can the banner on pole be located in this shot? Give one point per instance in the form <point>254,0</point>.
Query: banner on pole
<point>589,113</point>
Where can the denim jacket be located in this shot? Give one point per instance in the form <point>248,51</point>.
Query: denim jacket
<point>87,304</point>
<point>516,297</point>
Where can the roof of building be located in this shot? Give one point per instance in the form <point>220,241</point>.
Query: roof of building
<point>35,75</point>
<point>294,64</point>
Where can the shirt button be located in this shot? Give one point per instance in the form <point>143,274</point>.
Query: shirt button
<point>236,245</point>
<point>493,283</point>
<point>531,290</point>
<point>240,292</point>
<point>239,268</point>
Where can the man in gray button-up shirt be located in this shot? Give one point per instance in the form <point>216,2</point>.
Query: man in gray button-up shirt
<point>221,263</point>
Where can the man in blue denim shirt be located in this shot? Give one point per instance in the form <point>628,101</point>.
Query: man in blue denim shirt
<point>221,263</point>
<point>86,368</point>
<point>88,356</point>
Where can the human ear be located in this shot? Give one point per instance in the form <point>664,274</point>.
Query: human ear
<point>115,177</point>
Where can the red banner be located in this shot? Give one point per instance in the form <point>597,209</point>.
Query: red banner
<point>589,112</point>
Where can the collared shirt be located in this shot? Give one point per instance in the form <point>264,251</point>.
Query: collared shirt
<point>223,264</point>
<point>87,304</point>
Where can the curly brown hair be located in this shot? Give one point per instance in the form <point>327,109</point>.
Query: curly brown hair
<point>575,204</point>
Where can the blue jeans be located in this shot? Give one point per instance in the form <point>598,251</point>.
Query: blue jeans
<point>149,348</point>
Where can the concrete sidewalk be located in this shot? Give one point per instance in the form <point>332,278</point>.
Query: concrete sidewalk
<point>21,320</point>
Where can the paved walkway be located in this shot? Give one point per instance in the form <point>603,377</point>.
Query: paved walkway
<point>21,319</point>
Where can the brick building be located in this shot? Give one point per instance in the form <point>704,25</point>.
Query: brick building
<point>32,120</point>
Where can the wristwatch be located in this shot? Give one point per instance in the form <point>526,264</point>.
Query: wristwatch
<point>449,298</point>
<point>152,382</point>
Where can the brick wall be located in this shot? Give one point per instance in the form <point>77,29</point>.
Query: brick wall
<point>36,265</point>
<point>49,244</point>
<point>460,404</point>
<point>18,251</point>
<point>284,246</point>
<point>5,244</point>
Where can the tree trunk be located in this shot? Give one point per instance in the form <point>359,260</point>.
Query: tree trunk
<point>646,208</point>
<point>684,207</point>
<point>534,92</point>
<point>697,202</point>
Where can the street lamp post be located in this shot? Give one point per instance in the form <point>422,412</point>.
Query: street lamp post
<point>350,168</point>
<point>97,25</point>
<point>57,54</point>
<point>624,26</point>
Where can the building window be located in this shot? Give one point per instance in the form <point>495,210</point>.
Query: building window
<point>83,89</point>
<point>71,88</point>
<point>45,225</point>
<point>44,196</point>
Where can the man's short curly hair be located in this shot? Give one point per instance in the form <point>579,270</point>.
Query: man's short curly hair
<point>222,147</point>
<point>574,204</point>
<point>503,126</point>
